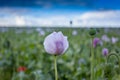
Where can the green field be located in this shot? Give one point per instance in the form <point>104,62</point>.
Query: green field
<point>24,47</point>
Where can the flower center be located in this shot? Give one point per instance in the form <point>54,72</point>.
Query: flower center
<point>59,47</point>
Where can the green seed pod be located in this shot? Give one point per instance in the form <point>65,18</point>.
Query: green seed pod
<point>92,32</point>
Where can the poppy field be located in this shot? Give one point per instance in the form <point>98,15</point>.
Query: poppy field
<point>82,53</point>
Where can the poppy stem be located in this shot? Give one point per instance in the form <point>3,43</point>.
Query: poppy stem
<point>21,75</point>
<point>103,75</point>
<point>92,61</point>
<point>55,65</point>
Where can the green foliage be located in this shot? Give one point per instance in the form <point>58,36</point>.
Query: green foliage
<point>24,47</point>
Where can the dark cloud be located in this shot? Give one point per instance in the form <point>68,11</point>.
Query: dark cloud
<point>94,4</point>
<point>23,3</point>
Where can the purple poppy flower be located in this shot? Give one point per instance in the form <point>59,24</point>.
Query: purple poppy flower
<point>105,51</point>
<point>114,40</point>
<point>96,41</point>
<point>56,43</point>
<point>105,38</point>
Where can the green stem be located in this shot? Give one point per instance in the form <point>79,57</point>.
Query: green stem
<point>103,75</point>
<point>105,60</point>
<point>21,75</point>
<point>55,65</point>
<point>21,78</point>
<point>36,78</point>
<point>92,61</point>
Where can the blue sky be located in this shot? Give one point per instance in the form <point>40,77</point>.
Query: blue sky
<point>61,4</point>
<point>59,12</point>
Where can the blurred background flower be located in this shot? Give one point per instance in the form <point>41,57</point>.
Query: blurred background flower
<point>21,69</point>
<point>105,38</point>
<point>114,40</point>
<point>74,32</point>
<point>105,51</point>
<point>96,41</point>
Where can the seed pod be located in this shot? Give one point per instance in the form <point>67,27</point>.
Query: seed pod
<point>92,32</point>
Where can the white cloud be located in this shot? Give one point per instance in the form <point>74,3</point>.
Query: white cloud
<point>99,18</point>
<point>12,21</point>
<point>93,18</point>
<point>19,21</point>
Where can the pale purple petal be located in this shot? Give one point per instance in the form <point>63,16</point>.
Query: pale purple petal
<point>59,36</point>
<point>66,44</point>
<point>49,44</point>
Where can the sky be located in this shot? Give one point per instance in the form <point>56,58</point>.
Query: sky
<point>98,13</point>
